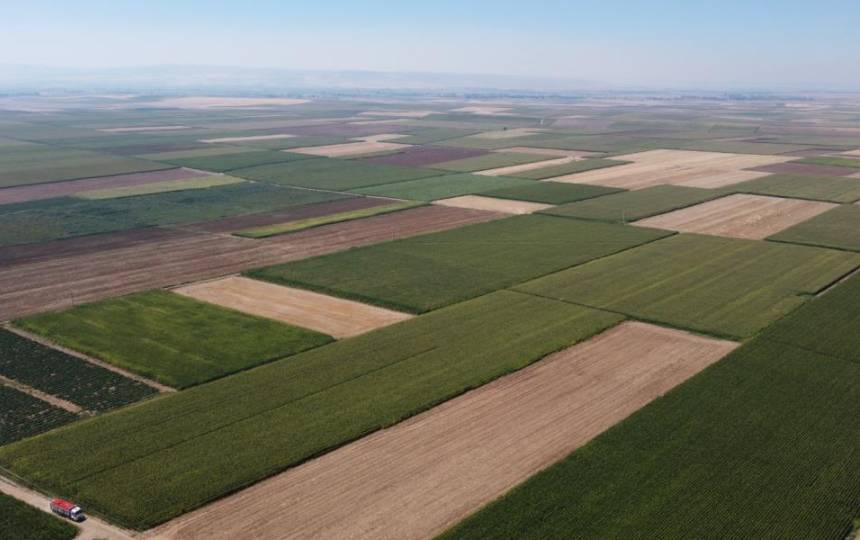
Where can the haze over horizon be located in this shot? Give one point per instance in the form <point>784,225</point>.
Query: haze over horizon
<point>671,43</point>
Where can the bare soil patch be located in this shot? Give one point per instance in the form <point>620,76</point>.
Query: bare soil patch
<point>350,149</point>
<point>507,133</point>
<point>416,156</point>
<point>58,282</point>
<point>739,216</point>
<point>484,109</point>
<point>806,169</point>
<point>491,204</point>
<point>514,169</point>
<point>60,189</point>
<point>421,476</point>
<point>336,317</point>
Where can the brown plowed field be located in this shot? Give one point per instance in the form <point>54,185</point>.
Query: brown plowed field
<point>64,281</point>
<point>336,317</point>
<point>739,216</point>
<point>421,476</point>
<point>806,169</point>
<point>60,189</point>
<point>490,204</point>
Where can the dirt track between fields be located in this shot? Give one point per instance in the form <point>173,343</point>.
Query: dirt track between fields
<point>50,284</point>
<point>739,216</point>
<point>336,317</point>
<point>425,474</point>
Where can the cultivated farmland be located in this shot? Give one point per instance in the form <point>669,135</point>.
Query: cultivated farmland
<point>174,340</point>
<point>442,187</point>
<point>550,192</point>
<point>824,188</point>
<point>23,522</point>
<point>490,204</point>
<point>634,205</point>
<point>23,415</point>
<point>838,228</point>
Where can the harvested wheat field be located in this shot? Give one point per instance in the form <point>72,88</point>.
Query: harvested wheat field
<point>395,114</point>
<point>739,216</point>
<point>514,169</point>
<point>336,317</point>
<point>369,145</point>
<point>853,153</point>
<point>547,151</point>
<point>507,133</point>
<point>421,476</point>
<point>490,204</point>
<point>248,138</point>
<point>45,285</point>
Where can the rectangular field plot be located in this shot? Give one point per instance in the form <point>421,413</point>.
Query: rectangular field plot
<point>756,446</point>
<point>838,228</point>
<point>426,272</point>
<point>23,522</point>
<point>833,161</point>
<point>565,171</point>
<point>493,160</point>
<point>22,415</point>
<point>550,192</point>
<point>52,219</point>
<point>69,378</point>
<point>478,446</point>
<point>202,182</point>
<point>739,216</point>
<point>490,204</point>
<point>818,188</point>
<point>333,316</point>
<point>172,339</point>
<point>351,149</point>
<point>417,156</point>
<point>336,174</point>
<point>806,169</point>
<point>442,187</point>
<point>317,400</point>
<point>715,285</point>
<point>235,160</point>
<point>633,205</point>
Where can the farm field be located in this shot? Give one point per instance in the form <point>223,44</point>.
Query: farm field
<point>333,316</point>
<point>442,187</point>
<point>226,162</point>
<point>832,161</point>
<point>175,340</point>
<point>739,216</point>
<point>419,156</point>
<point>23,415</point>
<point>427,272</point>
<point>69,378</point>
<point>490,204</point>
<point>492,160</point>
<point>565,169</point>
<point>350,149</point>
<point>478,445</point>
<point>806,168</point>
<point>777,401</point>
<point>550,192</point>
<point>34,286</point>
<point>838,228</point>
<point>633,205</point>
<point>332,174</point>
<point>23,522</point>
<point>202,182</point>
<point>240,421</point>
<point>824,188</point>
<point>721,286</point>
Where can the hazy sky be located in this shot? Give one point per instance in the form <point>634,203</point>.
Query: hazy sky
<point>670,42</point>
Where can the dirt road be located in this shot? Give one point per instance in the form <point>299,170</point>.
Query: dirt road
<point>423,475</point>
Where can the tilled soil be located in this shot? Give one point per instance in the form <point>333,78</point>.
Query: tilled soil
<point>421,476</point>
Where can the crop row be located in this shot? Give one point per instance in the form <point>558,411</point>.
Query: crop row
<point>22,415</point>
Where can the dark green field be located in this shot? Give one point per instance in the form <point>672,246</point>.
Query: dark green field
<point>172,339</point>
<point>551,192</point>
<point>232,161</point>
<point>568,168</point>
<point>838,228</point>
<point>633,205</point>
<point>493,160</point>
<point>20,521</point>
<point>431,271</point>
<point>443,187</point>
<point>818,188</point>
<point>152,470</point>
<point>22,415</point>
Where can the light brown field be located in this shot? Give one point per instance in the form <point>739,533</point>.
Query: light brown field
<point>739,216</point>
<point>514,169</point>
<point>204,102</point>
<point>142,128</point>
<point>423,475</point>
<point>402,114</point>
<point>336,317</point>
<point>852,152</point>
<point>507,133</point>
<point>490,204</point>
<point>677,167</point>
<point>248,138</point>
<point>350,149</point>
<point>484,109</point>
<point>547,151</point>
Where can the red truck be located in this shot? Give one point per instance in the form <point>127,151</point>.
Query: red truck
<point>67,509</point>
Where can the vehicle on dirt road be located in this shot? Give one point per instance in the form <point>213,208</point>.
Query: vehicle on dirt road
<point>67,509</point>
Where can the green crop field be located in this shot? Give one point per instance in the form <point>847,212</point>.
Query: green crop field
<point>54,372</point>
<point>201,182</point>
<point>53,165</point>
<point>853,163</point>
<point>633,205</point>
<point>722,286</point>
<point>551,192</point>
<point>335,174</point>
<point>172,454</point>
<point>302,224</point>
<point>837,228</point>
<point>760,445</point>
<point>424,273</point>
<point>171,338</point>
<point>22,415</point>
<point>210,150</point>
<point>232,161</point>
<point>64,217</point>
<point>292,142</point>
<point>492,160</point>
<point>568,168</point>
<point>818,188</point>
<point>20,521</point>
<point>443,187</point>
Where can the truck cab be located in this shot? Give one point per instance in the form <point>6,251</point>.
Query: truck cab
<point>67,509</point>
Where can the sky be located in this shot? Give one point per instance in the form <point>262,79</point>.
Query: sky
<point>670,43</point>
